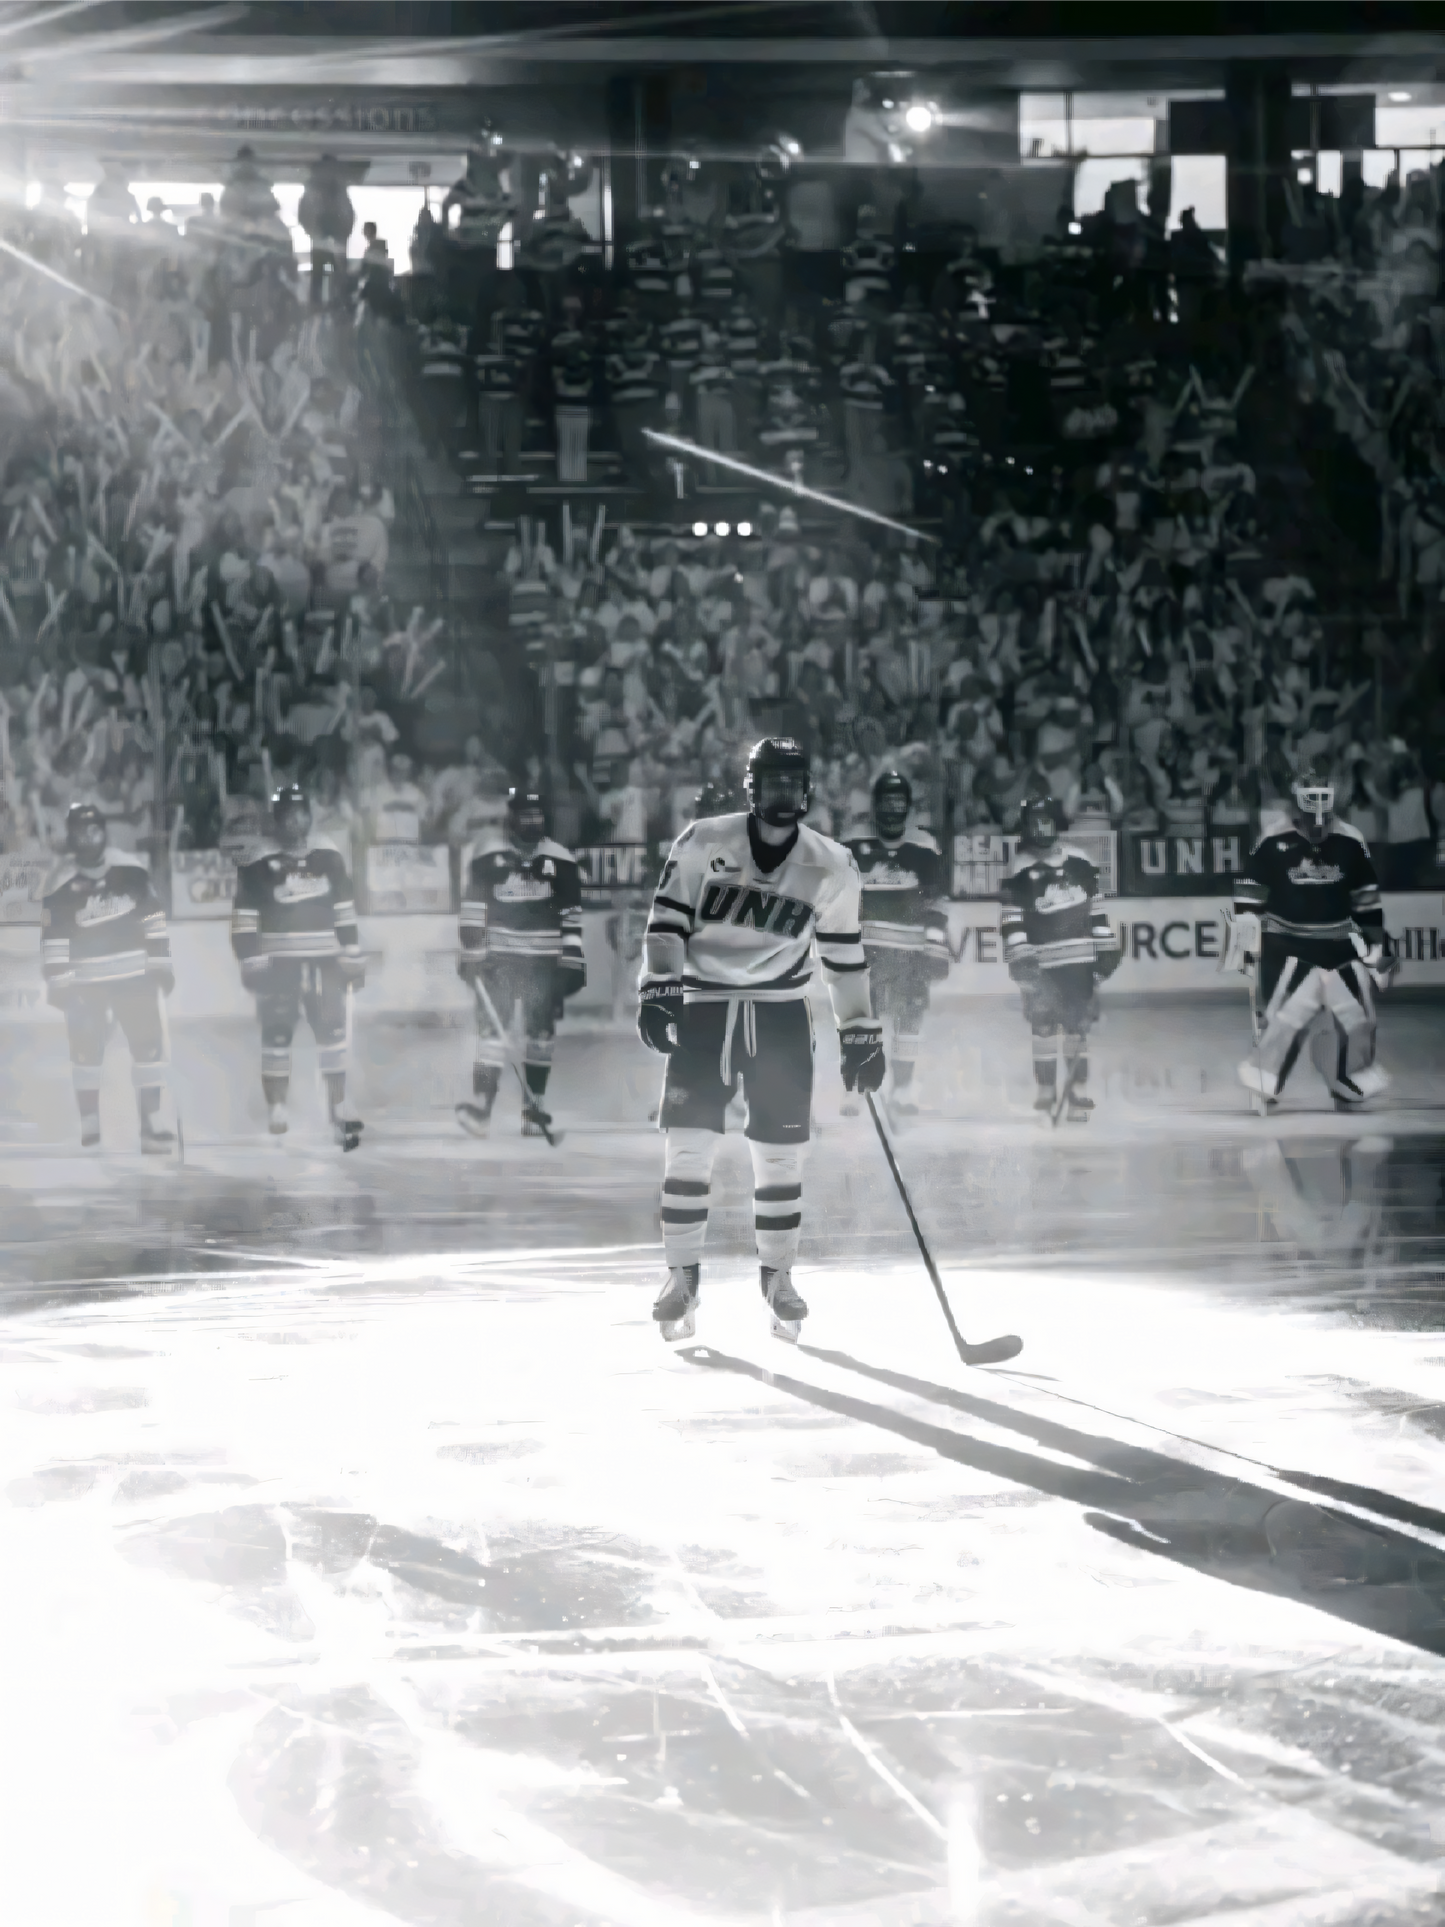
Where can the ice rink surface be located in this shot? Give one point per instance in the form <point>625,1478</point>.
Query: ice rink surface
<point>365,1556</point>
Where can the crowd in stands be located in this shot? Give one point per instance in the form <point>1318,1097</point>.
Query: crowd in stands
<point>195,543</point>
<point>1107,595</point>
<point>1105,592</point>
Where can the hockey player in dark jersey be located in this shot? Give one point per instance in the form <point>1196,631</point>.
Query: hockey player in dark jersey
<point>294,932</point>
<point>742,902</point>
<point>521,936</point>
<point>1058,944</point>
<point>1307,913</point>
<point>905,933</point>
<point>105,953</point>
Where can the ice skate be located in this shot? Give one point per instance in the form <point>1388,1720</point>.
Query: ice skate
<point>1262,1085</point>
<point>788,1309</point>
<point>347,1131</point>
<point>1044,1098</point>
<point>538,1123</point>
<point>475,1119</point>
<point>277,1122</point>
<point>1078,1108</point>
<point>90,1134</point>
<point>850,1107</point>
<point>900,1105</point>
<point>675,1307</point>
<point>157,1144</point>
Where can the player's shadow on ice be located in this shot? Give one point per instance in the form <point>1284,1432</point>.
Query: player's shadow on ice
<point>1230,1529</point>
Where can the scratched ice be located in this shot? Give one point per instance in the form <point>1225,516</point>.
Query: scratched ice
<point>365,1556</point>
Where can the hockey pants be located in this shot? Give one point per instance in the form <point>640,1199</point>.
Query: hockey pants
<point>687,1193</point>
<point>294,985</point>
<point>1339,1006</point>
<point>135,1004</point>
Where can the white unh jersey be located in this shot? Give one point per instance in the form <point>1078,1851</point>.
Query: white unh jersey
<point>729,929</point>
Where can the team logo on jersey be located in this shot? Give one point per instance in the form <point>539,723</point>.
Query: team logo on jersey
<point>1308,871</point>
<point>721,863</point>
<point>301,887</point>
<point>1061,896</point>
<point>887,878</point>
<point>754,910</point>
<point>103,909</point>
<point>521,889</point>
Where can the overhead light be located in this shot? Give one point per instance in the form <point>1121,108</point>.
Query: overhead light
<point>919,117</point>
<point>33,192</point>
<point>745,528</point>
<point>1399,94</point>
<point>699,528</point>
<point>722,528</point>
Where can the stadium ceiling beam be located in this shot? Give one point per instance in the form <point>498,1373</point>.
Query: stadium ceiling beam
<point>1161,59</point>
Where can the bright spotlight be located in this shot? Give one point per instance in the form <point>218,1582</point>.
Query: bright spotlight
<point>745,528</point>
<point>33,192</point>
<point>1400,94</point>
<point>721,528</point>
<point>699,528</point>
<point>919,118</point>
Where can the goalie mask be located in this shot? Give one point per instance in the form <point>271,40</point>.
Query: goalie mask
<point>892,800</point>
<point>779,782</point>
<point>1314,800</point>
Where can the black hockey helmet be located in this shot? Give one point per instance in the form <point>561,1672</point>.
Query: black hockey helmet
<point>779,781</point>
<point>82,816</point>
<point>892,800</point>
<point>1041,823</point>
<point>1314,797</point>
<point>713,799</point>
<point>526,815</point>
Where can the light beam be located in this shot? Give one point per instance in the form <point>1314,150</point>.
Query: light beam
<point>769,480</point>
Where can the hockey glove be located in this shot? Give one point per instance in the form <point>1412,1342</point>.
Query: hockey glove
<point>1024,971</point>
<point>935,952</point>
<point>861,1048</point>
<point>163,977</point>
<point>1241,947</point>
<point>352,966</point>
<point>469,967</point>
<point>571,976</point>
<point>59,991</point>
<point>1107,962</point>
<point>255,973</point>
<point>659,1016</point>
<point>1382,960</point>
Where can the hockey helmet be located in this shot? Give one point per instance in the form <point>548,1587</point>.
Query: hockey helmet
<point>713,799</point>
<point>526,816</point>
<point>892,800</point>
<point>78,818</point>
<point>1314,798</point>
<point>779,781</point>
<point>1041,823</point>
<point>289,798</point>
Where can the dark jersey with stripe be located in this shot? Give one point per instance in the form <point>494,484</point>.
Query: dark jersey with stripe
<point>902,884</point>
<point>524,907</point>
<point>295,904</point>
<point>102,926</point>
<point>1053,912</point>
<point>1312,896</point>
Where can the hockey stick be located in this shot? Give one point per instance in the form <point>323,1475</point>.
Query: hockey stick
<point>995,1350</point>
<point>530,1107</point>
<point>1071,1071</point>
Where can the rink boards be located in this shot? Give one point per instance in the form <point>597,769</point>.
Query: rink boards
<point>1170,944</point>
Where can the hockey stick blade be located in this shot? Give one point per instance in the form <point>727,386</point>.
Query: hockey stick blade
<point>994,1351</point>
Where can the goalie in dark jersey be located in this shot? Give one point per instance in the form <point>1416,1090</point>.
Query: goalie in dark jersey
<point>905,932</point>
<point>294,932</point>
<point>1058,944</point>
<point>1308,917</point>
<point>521,942</point>
<point>105,953</point>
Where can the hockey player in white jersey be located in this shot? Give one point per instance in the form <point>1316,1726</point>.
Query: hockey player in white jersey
<point>741,903</point>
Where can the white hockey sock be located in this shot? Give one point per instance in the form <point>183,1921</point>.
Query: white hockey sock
<point>686,1189</point>
<point>777,1201</point>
